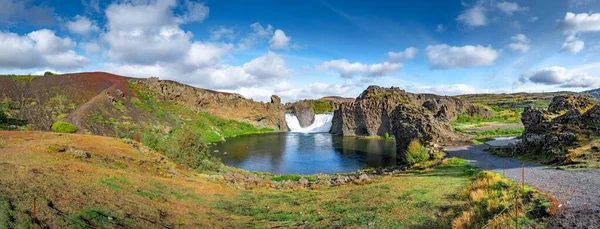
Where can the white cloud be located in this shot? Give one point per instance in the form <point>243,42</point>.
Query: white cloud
<point>577,23</point>
<point>407,54</point>
<point>533,19</point>
<point>445,57</point>
<point>572,44</point>
<point>452,89</point>
<point>270,66</point>
<point>288,92</point>
<point>473,17</point>
<point>520,43</point>
<point>222,32</point>
<point>510,7</point>
<point>258,33</point>
<point>41,48</point>
<point>82,25</point>
<point>440,28</point>
<point>557,75</point>
<point>135,38</point>
<point>349,70</point>
<point>195,11</point>
<point>90,47</point>
<point>279,40</point>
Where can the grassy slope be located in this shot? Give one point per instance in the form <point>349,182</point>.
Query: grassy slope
<point>107,182</point>
<point>39,101</point>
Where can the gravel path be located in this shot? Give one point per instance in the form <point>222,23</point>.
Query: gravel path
<point>578,192</point>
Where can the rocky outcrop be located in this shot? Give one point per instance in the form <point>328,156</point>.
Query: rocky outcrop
<point>569,102</point>
<point>550,134</point>
<point>410,122</point>
<point>304,112</point>
<point>275,99</point>
<point>369,114</point>
<point>227,105</point>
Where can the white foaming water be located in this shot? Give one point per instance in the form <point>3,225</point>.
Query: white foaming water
<point>322,124</point>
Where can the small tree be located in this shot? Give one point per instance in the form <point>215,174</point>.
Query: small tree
<point>48,73</point>
<point>187,148</point>
<point>416,152</point>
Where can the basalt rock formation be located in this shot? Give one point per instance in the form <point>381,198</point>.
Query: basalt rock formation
<point>370,114</point>
<point>227,105</point>
<point>304,112</point>
<point>551,132</point>
<point>410,122</point>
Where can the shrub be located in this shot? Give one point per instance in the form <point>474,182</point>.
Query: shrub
<point>150,139</point>
<point>416,152</point>
<point>64,127</point>
<point>48,73</point>
<point>3,117</point>
<point>187,148</point>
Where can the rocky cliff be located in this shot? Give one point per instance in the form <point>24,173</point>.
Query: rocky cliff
<point>370,114</point>
<point>550,133</point>
<point>227,105</point>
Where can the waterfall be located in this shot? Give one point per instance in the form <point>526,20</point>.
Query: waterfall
<point>322,124</point>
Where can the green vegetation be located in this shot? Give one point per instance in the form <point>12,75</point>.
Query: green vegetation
<point>516,101</point>
<point>22,78</point>
<point>479,141</point>
<point>490,196</point>
<point>416,153</point>
<point>48,73</point>
<point>291,177</point>
<point>64,127</point>
<point>159,193</point>
<point>497,132</point>
<point>321,107</point>
<point>207,124</point>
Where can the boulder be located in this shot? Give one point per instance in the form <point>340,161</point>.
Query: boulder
<point>479,111</point>
<point>275,99</point>
<point>411,122</point>
<point>304,112</point>
<point>303,181</point>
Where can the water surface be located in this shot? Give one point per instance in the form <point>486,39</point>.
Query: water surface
<point>305,153</point>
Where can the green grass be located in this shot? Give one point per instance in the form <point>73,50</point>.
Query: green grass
<point>479,141</point>
<point>321,107</point>
<point>497,132</point>
<point>22,78</point>
<point>291,177</point>
<point>207,124</point>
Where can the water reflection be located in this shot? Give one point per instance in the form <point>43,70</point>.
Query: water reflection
<point>304,153</point>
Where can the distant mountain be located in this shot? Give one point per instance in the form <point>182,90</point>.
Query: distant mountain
<point>594,93</point>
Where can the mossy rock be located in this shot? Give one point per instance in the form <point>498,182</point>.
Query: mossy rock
<point>64,127</point>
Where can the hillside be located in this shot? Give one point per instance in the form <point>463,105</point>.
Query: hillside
<point>515,100</point>
<point>83,181</point>
<point>110,105</point>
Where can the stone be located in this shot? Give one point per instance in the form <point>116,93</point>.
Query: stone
<point>275,99</point>
<point>303,181</point>
<point>363,177</point>
<point>223,139</point>
<point>305,113</point>
<point>120,93</point>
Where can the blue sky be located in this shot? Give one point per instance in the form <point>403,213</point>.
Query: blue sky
<point>308,49</point>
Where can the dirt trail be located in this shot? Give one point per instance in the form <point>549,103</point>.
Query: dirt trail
<point>578,192</point>
<point>75,116</point>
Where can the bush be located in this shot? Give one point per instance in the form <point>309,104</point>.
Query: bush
<point>150,139</point>
<point>416,152</point>
<point>64,127</point>
<point>48,73</point>
<point>187,148</point>
<point>3,117</point>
